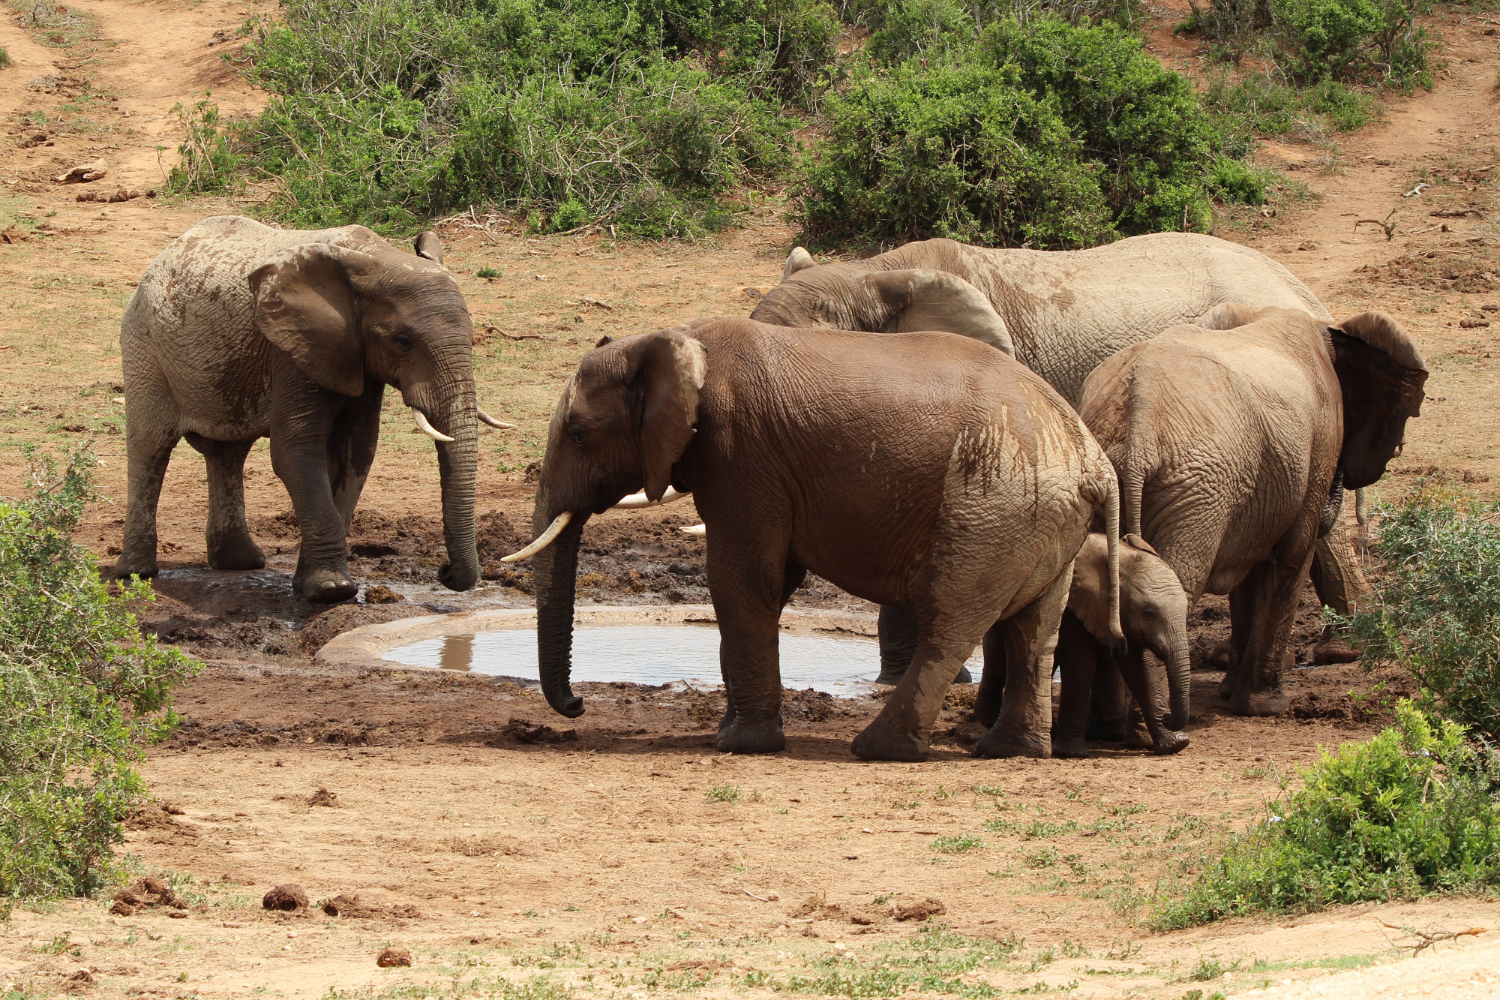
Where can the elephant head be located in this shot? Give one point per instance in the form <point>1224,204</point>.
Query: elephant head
<point>346,315</point>
<point>866,296</point>
<point>1153,610</point>
<point>625,418</point>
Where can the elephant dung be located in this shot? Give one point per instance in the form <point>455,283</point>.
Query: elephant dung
<point>393,957</point>
<point>286,897</point>
<point>82,172</point>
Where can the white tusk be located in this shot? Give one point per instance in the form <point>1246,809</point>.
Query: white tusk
<point>636,500</point>
<point>425,426</point>
<point>543,540</point>
<point>486,418</point>
<point>695,529</point>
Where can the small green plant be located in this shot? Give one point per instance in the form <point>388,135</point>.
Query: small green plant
<point>209,161</point>
<point>724,793</point>
<point>486,272</point>
<point>957,844</point>
<point>81,691</point>
<point>1409,812</point>
<point>1433,610</point>
<point>4,58</point>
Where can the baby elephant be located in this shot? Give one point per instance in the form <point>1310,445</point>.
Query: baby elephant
<point>920,469</point>
<point>1153,615</point>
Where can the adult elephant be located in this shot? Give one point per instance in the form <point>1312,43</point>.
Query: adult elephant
<point>238,331</point>
<point>924,470</point>
<point>1234,441</point>
<point>1061,313</point>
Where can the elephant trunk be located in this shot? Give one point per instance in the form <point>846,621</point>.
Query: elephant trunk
<point>458,464</point>
<point>1179,682</point>
<point>554,576</point>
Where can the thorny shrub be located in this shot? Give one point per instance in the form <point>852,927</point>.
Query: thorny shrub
<point>81,691</point>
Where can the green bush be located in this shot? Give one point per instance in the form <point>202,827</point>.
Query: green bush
<point>1374,40</point>
<point>80,692</point>
<point>1048,135</point>
<point>1260,105</point>
<point>1434,608</point>
<point>1412,811</point>
<point>209,161</point>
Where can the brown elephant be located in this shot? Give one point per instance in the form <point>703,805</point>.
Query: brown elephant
<point>923,470</point>
<point>1234,441</point>
<point>238,331</point>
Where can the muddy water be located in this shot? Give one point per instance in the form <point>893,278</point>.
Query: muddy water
<point>655,654</point>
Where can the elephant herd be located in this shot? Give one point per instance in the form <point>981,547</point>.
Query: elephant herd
<point>1049,454</point>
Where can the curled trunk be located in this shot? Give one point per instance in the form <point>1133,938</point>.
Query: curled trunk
<point>554,574</point>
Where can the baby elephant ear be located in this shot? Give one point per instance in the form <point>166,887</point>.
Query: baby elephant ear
<point>428,245</point>
<point>1227,316</point>
<point>1137,542</point>
<point>799,259</point>
<point>306,305</point>
<point>936,300</point>
<point>668,368</point>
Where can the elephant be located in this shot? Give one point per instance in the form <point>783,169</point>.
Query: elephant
<point>1153,616</point>
<point>1061,313</point>
<point>238,331</point>
<point>924,470</point>
<point>1234,440</point>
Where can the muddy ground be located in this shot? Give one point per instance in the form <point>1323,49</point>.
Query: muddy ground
<point>513,852</point>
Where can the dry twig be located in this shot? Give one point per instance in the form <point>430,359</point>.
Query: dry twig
<point>1426,940</point>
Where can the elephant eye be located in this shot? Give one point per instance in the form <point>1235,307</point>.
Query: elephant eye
<point>1149,614</point>
<point>402,341</point>
<point>576,435</point>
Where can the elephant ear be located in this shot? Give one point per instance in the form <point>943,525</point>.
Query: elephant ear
<point>305,304</point>
<point>1137,542</point>
<point>667,369</point>
<point>1227,316</point>
<point>936,300</point>
<point>1381,376</point>
<point>798,260</point>
<point>428,245</point>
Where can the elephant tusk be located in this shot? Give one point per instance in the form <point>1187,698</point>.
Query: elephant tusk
<point>486,418</point>
<point>543,540</point>
<point>425,426</point>
<point>695,529</point>
<point>636,500</point>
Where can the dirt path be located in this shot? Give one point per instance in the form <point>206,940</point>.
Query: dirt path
<point>618,855</point>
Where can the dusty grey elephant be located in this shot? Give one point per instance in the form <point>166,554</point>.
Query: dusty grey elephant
<point>923,470</point>
<point>238,331</point>
<point>1235,440</point>
<point>1153,616</point>
<point>1061,313</point>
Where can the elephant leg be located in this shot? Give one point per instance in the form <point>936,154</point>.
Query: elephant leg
<point>1077,657</point>
<point>229,543</point>
<point>903,729</point>
<point>899,634</point>
<point>148,447</point>
<point>749,588</point>
<point>1024,728</point>
<point>351,449</point>
<point>1148,687</point>
<point>1242,601</point>
<point>795,574</point>
<point>302,415</point>
<point>992,681</point>
<point>1109,708</point>
<point>1336,572</point>
<point>1276,589</point>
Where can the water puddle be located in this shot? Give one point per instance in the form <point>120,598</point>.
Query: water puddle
<point>842,665</point>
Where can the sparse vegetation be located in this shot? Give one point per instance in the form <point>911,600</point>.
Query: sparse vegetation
<point>4,57</point>
<point>957,844</point>
<point>1412,811</point>
<point>81,691</point>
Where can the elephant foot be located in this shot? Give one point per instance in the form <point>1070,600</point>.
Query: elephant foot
<point>1331,649</point>
<point>964,677</point>
<point>741,737</point>
<point>1226,686</point>
<point>237,553</point>
<point>1138,736</point>
<point>130,564</point>
<point>890,677</point>
<point>996,747</point>
<point>1272,701</point>
<point>325,586</point>
<point>1220,656</point>
<point>882,741</point>
<point>1171,743</point>
<point>1072,750</point>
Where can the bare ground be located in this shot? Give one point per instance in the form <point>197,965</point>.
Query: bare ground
<point>510,850</point>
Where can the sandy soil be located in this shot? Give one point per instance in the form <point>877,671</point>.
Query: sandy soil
<point>514,852</point>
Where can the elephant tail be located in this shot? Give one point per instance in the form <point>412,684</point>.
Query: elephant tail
<point>1137,456</point>
<point>1104,494</point>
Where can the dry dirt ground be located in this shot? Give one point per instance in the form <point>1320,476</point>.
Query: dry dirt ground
<point>619,855</point>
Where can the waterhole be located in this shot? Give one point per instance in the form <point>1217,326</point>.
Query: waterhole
<point>653,654</point>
